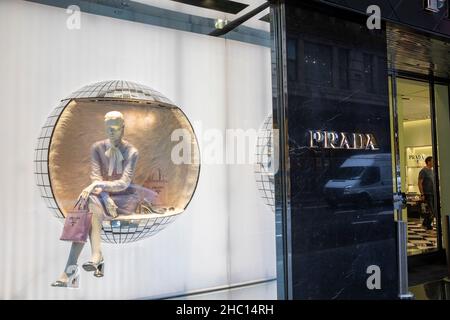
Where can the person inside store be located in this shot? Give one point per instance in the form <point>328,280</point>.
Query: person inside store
<point>426,188</point>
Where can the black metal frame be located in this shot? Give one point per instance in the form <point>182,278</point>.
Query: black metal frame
<point>437,198</point>
<point>280,122</point>
<point>420,77</point>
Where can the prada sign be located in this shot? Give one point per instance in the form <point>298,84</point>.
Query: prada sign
<point>342,140</point>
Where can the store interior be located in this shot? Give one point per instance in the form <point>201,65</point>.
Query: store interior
<point>415,142</point>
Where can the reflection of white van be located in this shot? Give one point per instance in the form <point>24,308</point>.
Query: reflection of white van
<point>362,179</point>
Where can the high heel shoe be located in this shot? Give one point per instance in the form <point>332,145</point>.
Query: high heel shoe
<point>149,208</point>
<point>72,282</point>
<point>98,268</point>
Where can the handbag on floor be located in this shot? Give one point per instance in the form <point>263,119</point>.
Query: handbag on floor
<point>77,223</point>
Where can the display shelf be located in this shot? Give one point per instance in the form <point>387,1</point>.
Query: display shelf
<point>415,161</point>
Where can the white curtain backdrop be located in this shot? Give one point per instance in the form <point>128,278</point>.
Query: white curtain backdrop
<point>227,234</point>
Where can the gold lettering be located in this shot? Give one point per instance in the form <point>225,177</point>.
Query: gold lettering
<point>371,143</point>
<point>311,139</point>
<point>344,142</point>
<point>315,136</point>
<point>359,138</point>
<point>325,137</point>
<point>332,139</point>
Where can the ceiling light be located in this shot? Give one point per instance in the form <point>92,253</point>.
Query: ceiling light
<point>220,23</point>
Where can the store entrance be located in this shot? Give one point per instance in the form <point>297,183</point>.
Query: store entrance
<point>420,77</point>
<point>420,130</point>
<point>417,170</point>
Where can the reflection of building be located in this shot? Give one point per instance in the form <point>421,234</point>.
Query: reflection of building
<point>335,68</point>
<point>63,163</point>
<point>332,80</point>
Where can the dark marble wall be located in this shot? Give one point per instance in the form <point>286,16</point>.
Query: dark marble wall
<point>337,81</point>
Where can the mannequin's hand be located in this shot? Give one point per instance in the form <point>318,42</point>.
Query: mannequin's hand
<point>111,207</point>
<point>97,191</point>
<point>87,191</point>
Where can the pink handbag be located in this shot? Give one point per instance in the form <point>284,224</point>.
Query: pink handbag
<point>77,223</point>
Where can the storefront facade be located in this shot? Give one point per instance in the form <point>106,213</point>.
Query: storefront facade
<point>361,109</point>
<point>339,105</point>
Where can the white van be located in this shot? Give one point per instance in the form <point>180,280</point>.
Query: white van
<point>362,179</point>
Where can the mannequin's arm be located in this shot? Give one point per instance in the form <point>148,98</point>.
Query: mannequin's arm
<point>96,172</point>
<point>126,178</point>
<point>111,207</point>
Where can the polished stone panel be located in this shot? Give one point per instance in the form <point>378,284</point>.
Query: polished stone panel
<point>406,12</point>
<point>410,49</point>
<point>341,186</point>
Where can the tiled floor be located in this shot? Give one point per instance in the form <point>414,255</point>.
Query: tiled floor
<point>420,240</point>
<point>437,290</point>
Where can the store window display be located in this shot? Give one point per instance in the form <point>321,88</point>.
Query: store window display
<point>113,164</point>
<point>112,188</point>
<point>131,183</point>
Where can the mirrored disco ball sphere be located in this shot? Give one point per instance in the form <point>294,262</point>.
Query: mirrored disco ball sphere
<point>63,154</point>
<point>264,167</point>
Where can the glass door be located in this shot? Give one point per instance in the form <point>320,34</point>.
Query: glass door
<point>416,174</point>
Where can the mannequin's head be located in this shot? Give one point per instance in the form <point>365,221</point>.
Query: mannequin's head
<point>114,125</point>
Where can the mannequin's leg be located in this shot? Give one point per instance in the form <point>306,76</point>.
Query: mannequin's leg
<point>75,252</point>
<point>96,229</point>
<point>95,238</point>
